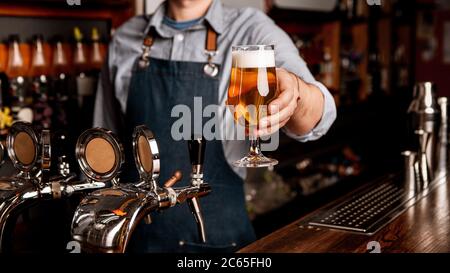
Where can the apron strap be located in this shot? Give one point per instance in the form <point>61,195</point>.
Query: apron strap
<point>211,39</point>
<point>149,38</point>
<point>210,68</point>
<point>210,45</point>
<point>144,60</point>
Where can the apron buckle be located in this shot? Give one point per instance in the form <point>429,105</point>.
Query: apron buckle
<point>144,60</point>
<point>211,69</point>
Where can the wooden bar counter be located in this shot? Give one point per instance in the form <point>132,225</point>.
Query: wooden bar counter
<point>422,228</point>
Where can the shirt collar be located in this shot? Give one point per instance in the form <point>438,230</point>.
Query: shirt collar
<point>214,17</point>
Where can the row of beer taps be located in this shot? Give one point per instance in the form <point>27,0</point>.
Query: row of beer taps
<point>106,217</point>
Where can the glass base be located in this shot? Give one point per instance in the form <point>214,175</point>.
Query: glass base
<point>255,161</point>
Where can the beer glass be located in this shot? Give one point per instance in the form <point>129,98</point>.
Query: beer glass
<point>253,85</point>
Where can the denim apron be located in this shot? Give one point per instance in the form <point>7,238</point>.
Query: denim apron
<point>154,91</point>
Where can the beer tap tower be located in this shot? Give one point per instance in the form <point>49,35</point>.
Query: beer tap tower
<point>105,220</point>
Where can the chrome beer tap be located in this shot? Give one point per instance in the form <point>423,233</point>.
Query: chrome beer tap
<point>197,155</point>
<point>19,191</point>
<point>31,156</point>
<point>105,219</point>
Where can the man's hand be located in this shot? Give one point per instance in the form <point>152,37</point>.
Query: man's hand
<point>299,106</point>
<point>283,107</point>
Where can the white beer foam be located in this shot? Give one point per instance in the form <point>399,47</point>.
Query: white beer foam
<point>253,59</point>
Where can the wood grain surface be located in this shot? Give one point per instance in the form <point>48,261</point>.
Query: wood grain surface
<point>422,228</point>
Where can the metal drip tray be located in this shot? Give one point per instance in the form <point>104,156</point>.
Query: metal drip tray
<point>369,209</point>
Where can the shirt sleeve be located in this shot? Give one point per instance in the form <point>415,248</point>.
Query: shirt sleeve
<point>107,112</point>
<point>265,31</point>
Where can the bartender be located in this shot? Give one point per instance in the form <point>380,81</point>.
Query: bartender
<point>158,61</point>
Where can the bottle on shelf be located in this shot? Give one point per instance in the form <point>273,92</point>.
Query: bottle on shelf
<point>361,9</point>
<point>96,52</point>
<point>310,49</point>
<point>374,86</point>
<point>378,74</point>
<point>347,8</point>
<point>401,74</point>
<point>42,97</point>
<point>65,124</point>
<point>86,82</point>
<point>354,9</point>
<point>326,68</point>
<point>60,83</point>
<point>60,66</point>
<point>80,53</point>
<point>18,82</point>
<point>350,82</point>
<point>39,66</point>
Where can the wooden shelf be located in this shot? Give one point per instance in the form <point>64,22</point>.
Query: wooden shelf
<point>332,37</point>
<point>113,13</point>
<point>327,34</point>
<point>360,36</point>
<point>116,14</point>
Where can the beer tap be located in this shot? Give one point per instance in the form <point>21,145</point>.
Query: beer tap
<point>30,154</point>
<point>22,190</point>
<point>190,194</point>
<point>105,219</point>
<point>197,155</point>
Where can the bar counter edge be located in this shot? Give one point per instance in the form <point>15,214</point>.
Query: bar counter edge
<point>423,227</point>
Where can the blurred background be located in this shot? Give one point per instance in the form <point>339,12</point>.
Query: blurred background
<point>368,53</point>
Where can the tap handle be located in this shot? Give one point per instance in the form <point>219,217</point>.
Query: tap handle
<point>174,179</point>
<point>46,150</point>
<point>197,147</point>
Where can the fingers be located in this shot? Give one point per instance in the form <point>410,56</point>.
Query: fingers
<point>286,81</point>
<point>279,116</point>
<point>272,129</point>
<point>283,107</point>
<point>270,124</point>
<point>281,102</point>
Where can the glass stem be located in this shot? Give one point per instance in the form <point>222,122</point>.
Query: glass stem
<point>255,146</point>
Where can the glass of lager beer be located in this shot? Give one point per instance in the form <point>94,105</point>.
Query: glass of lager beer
<point>253,85</point>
